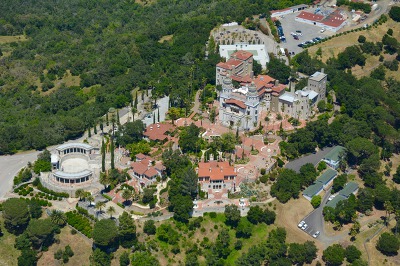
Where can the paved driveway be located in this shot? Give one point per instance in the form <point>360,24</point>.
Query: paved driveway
<point>315,220</point>
<point>10,166</point>
<point>312,158</point>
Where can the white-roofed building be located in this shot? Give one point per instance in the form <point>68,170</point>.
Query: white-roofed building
<point>300,104</point>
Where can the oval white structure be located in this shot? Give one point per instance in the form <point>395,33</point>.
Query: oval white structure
<point>74,156</point>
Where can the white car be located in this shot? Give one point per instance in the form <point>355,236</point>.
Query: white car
<point>304,227</point>
<point>322,30</point>
<point>316,234</point>
<point>300,225</point>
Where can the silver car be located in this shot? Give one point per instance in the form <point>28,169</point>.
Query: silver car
<point>316,234</point>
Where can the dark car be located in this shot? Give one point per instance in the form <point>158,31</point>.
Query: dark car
<point>296,37</point>
<point>300,45</point>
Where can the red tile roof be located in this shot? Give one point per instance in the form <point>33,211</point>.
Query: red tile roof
<point>335,19</point>
<point>151,172</point>
<point>139,167</point>
<point>242,55</point>
<point>234,62</point>
<point>236,102</point>
<point>244,79</point>
<point>278,88</point>
<point>216,170</point>
<point>224,65</point>
<point>157,131</point>
<point>310,16</point>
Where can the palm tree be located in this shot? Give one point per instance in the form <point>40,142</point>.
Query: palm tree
<point>58,217</point>
<point>90,198</point>
<point>126,195</point>
<point>80,193</point>
<point>100,205</point>
<point>104,180</point>
<point>111,211</point>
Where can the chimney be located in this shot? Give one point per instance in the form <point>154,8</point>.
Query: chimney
<point>210,169</point>
<point>322,70</point>
<point>276,82</point>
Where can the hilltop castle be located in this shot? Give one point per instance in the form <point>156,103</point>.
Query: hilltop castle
<point>241,107</point>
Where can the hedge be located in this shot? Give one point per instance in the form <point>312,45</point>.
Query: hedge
<point>49,191</point>
<point>80,223</point>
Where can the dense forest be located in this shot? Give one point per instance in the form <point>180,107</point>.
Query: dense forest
<point>114,45</point>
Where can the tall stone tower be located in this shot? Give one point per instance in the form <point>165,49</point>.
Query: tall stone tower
<point>252,104</point>
<point>225,94</point>
<point>317,83</point>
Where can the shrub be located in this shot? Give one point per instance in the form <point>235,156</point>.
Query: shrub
<point>213,215</point>
<point>80,223</point>
<point>394,13</point>
<point>49,191</point>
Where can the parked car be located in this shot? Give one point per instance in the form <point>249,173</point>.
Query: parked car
<point>322,30</point>
<point>304,227</point>
<point>293,34</point>
<point>296,37</point>
<point>300,225</point>
<point>316,234</point>
<point>300,45</point>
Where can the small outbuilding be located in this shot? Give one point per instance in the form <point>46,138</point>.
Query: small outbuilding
<point>327,177</point>
<point>313,190</point>
<point>349,188</point>
<point>333,157</point>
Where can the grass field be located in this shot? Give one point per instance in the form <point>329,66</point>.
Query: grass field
<point>9,254</point>
<point>80,246</point>
<point>8,39</point>
<point>167,38</point>
<point>333,47</point>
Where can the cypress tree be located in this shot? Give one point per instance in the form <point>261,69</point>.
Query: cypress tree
<point>95,129</point>
<point>154,118</point>
<point>107,123</point>
<point>112,153</point>
<point>136,101</point>
<point>89,132</point>
<point>103,156</point>
<point>158,115</point>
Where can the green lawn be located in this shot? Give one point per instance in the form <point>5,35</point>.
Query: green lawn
<point>9,254</point>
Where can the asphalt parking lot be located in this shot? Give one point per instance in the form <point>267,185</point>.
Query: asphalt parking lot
<point>289,24</point>
<point>315,220</point>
